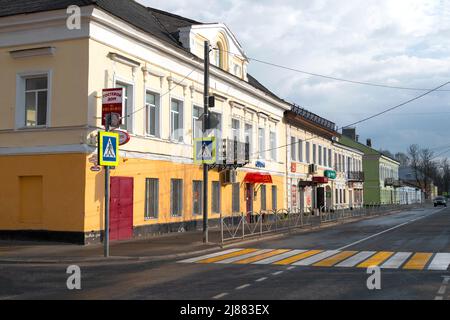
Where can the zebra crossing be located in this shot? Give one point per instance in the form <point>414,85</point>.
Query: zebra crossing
<point>327,258</point>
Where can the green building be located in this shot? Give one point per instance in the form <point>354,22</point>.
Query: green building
<point>380,171</point>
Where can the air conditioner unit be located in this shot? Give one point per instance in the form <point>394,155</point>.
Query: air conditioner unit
<point>228,176</point>
<point>312,168</point>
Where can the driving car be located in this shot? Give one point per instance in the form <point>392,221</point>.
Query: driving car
<point>440,201</point>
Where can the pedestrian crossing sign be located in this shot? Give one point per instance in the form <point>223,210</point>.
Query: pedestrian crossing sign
<point>205,150</point>
<point>108,149</point>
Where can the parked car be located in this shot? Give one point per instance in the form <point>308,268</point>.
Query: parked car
<point>440,201</point>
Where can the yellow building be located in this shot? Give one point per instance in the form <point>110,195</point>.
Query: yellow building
<point>53,73</point>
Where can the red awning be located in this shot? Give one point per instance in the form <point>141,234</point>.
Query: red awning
<point>320,179</point>
<point>258,177</point>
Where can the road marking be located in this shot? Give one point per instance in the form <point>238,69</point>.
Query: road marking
<point>418,261</point>
<point>441,262</point>
<point>240,257</point>
<point>316,258</point>
<point>290,268</point>
<point>380,233</point>
<point>277,273</point>
<point>297,257</point>
<point>442,290</point>
<point>396,260</point>
<point>226,256</point>
<point>191,260</point>
<point>220,295</point>
<point>261,279</point>
<point>243,286</point>
<point>329,262</point>
<point>357,258</point>
<point>279,257</point>
<point>258,257</point>
<point>376,259</point>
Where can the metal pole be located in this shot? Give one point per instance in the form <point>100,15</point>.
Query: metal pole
<point>205,128</point>
<point>107,186</point>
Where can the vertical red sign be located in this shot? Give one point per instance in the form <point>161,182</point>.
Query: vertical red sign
<point>112,102</point>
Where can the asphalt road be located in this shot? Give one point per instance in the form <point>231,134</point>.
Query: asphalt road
<point>423,231</point>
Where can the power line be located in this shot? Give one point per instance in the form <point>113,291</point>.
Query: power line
<point>365,119</point>
<point>395,107</point>
<point>328,76</point>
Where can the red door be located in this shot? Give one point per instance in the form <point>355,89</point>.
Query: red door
<point>121,209</point>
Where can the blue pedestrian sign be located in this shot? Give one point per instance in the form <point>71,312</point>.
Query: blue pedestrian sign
<point>205,150</point>
<point>108,149</point>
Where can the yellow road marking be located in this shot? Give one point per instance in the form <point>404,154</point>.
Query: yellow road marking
<point>226,256</point>
<point>418,261</point>
<point>262,256</point>
<point>297,257</point>
<point>331,261</point>
<point>376,259</point>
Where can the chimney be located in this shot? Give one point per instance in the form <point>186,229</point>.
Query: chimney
<point>350,133</point>
<point>369,143</point>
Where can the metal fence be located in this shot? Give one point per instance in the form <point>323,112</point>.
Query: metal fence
<point>254,224</point>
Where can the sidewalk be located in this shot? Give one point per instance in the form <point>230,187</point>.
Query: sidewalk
<point>170,246</point>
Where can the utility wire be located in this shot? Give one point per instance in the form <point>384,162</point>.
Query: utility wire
<point>327,76</point>
<point>365,119</point>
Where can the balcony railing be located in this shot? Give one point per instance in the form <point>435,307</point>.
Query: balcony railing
<point>355,176</point>
<point>392,182</point>
<point>234,152</point>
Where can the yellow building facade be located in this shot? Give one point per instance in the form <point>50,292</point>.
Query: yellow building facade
<point>51,82</point>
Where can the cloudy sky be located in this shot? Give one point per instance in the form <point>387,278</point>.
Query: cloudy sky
<point>396,42</point>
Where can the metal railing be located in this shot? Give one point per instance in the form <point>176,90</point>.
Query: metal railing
<point>253,224</point>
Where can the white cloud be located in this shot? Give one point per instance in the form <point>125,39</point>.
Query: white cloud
<point>401,42</point>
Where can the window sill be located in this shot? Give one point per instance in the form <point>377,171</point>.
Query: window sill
<point>35,128</point>
<point>150,219</point>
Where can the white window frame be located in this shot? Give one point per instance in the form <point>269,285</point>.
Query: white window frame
<point>273,145</point>
<point>238,135</point>
<point>21,78</point>
<point>181,120</point>
<point>250,136</point>
<point>262,143</point>
<point>131,107</point>
<point>157,94</point>
<point>196,105</point>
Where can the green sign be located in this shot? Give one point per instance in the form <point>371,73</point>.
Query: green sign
<point>330,174</point>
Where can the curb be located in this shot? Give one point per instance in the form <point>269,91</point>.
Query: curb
<point>120,259</point>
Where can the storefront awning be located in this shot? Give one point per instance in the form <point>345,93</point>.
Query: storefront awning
<point>257,177</point>
<point>320,180</point>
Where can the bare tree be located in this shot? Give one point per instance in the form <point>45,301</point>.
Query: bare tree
<point>414,161</point>
<point>402,158</point>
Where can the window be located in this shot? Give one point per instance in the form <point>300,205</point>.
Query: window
<point>196,122</point>
<point>336,196</point>
<point>197,197</point>
<point>325,157</point>
<point>340,196</point>
<point>273,146</point>
<point>151,198</point>
<point>235,129</point>
<point>329,158</point>
<point>262,143</point>
<point>293,150</point>
<point>152,113</point>
<point>320,155</point>
<point>176,197</point>
<point>235,197</point>
<point>36,95</point>
<point>176,120</point>
<point>128,105</point>
<point>274,198</point>
<point>263,197</point>
<point>237,70</point>
<point>308,150</point>
<point>215,197</point>
<point>314,154</point>
<point>219,56</point>
<point>249,136</point>
<point>300,150</point>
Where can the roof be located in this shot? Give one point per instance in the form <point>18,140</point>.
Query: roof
<point>366,149</point>
<point>160,24</point>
